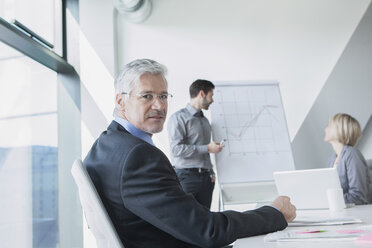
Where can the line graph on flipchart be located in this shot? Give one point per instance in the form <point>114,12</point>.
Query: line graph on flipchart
<point>250,121</point>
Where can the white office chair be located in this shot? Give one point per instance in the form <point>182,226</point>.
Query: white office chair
<point>95,213</point>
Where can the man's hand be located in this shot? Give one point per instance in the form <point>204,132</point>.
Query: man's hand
<point>213,178</point>
<point>214,147</point>
<point>284,205</point>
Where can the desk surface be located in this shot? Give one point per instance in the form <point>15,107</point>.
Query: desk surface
<point>363,212</point>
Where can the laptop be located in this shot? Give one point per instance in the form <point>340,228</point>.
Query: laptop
<point>307,188</point>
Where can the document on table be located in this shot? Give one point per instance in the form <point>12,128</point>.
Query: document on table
<point>323,221</point>
<point>317,234</point>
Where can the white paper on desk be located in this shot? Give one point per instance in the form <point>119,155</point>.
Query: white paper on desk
<point>306,234</point>
<point>323,221</point>
<point>312,240</point>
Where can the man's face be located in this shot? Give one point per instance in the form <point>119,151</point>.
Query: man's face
<point>207,100</point>
<point>149,116</point>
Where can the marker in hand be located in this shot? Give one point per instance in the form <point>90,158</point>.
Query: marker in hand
<point>222,142</point>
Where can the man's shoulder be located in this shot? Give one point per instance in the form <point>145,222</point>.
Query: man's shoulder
<point>180,114</point>
<point>115,138</point>
<point>116,145</point>
<point>181,111</point>
<point>122,137</point>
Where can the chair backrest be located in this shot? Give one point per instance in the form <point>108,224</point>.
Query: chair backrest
<point>95,212</point>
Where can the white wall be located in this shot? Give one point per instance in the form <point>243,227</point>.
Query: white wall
<point>296,42</point>
<point>96,68</point>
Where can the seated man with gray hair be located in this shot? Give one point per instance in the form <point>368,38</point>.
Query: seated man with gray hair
<point>139,187</point>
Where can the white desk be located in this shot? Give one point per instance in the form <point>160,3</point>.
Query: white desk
<point>363,212</point>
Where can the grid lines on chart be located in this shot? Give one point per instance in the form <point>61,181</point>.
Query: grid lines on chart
<point>249,122</point>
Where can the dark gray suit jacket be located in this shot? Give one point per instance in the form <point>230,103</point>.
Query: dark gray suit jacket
<point>147,205</point>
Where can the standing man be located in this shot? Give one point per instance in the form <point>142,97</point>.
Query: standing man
<point>190,144</point>
<point>139,187</point>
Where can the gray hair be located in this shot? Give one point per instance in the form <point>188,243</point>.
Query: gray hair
<point>129,76</point>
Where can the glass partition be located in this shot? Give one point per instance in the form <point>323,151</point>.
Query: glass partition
<point>28,152</point>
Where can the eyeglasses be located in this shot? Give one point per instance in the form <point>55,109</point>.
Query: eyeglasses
<point>150,97</point>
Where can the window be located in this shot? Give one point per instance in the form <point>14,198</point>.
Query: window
<point>43,17</point>
<point>28,152</point>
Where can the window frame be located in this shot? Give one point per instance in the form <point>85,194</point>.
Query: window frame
<point>15,38</point>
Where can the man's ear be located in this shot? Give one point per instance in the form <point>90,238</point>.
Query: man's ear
<point>201,93</point>
<point>120,103</point>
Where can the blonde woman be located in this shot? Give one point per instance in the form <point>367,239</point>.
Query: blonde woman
<point>343,132</point>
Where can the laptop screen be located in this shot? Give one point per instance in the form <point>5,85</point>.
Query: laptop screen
<point>307,188</point>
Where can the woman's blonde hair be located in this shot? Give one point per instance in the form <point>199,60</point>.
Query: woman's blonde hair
<point>346,127</point>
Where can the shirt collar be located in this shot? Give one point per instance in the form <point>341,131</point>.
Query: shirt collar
<point>193,111</point>
<point>134,131</point>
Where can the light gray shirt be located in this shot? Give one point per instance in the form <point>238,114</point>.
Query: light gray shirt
<point>353,172</point>
<point>189,135</point>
